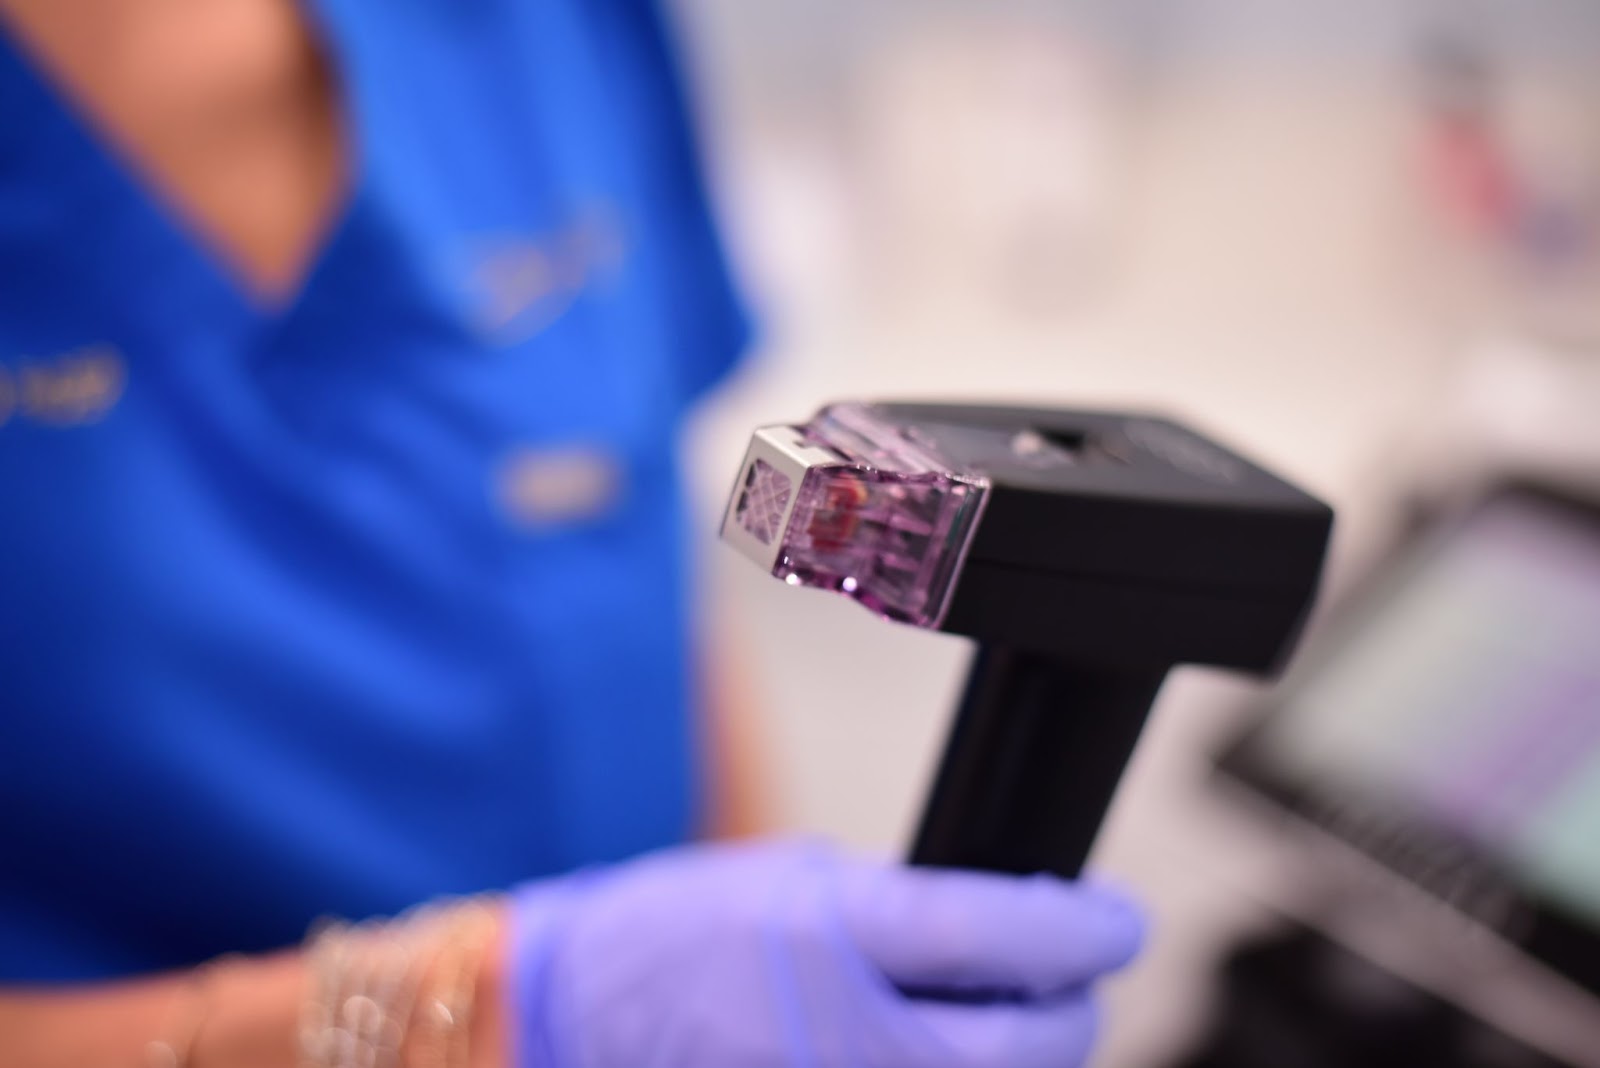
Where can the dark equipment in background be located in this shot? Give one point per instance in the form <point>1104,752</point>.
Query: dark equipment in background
<point>1441,734</point>
<point>1086,552</point>
<point>1296,999</point>
<point>1447,725</point>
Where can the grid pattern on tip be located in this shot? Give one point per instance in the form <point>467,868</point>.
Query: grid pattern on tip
<point>762,501</point>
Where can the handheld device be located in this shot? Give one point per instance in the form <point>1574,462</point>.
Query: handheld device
<point>1086,552</point>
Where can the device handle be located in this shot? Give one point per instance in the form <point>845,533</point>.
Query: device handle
<point>1032,763</point>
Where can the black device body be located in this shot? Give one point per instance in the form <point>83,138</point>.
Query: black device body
<point>1111,548</point>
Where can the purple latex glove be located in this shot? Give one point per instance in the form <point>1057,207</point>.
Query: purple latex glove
<point>788,954</point>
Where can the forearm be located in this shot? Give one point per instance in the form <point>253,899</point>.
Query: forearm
<point>243,1012</point>
<point>741,801</point>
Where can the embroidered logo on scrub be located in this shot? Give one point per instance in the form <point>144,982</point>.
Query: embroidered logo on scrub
<point>71,389</point>
<point>546,487</point>
<point>516,286</point>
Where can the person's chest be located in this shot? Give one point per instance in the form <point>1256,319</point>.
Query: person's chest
<point>397,564</point>
<point>465,411</point>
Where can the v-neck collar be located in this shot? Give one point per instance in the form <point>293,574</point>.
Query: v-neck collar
<point>50,137</point>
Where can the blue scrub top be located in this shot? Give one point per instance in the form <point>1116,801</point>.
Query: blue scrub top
<point>334,608</point>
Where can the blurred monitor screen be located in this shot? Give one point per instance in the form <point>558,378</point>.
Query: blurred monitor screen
<point>1449,725</point>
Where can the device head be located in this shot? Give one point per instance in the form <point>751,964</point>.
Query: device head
<point>1105,537</point>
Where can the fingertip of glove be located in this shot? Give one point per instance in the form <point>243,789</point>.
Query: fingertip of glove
<point>1113,916</point>
<point>1125,931</point>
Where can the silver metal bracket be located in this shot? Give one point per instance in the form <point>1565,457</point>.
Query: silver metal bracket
<point>764,494</point>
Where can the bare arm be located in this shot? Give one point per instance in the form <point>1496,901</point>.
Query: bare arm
<point>741,793</point>
<point>243,1013</point>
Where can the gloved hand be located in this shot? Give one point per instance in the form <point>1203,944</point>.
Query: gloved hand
<point>787,954</point>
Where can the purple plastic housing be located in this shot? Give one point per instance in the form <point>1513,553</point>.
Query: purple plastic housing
<point>878,514</point>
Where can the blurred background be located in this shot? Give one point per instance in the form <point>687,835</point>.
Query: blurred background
<point>1359,239</point>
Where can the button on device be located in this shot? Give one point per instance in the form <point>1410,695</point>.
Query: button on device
<point>547,487</point>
